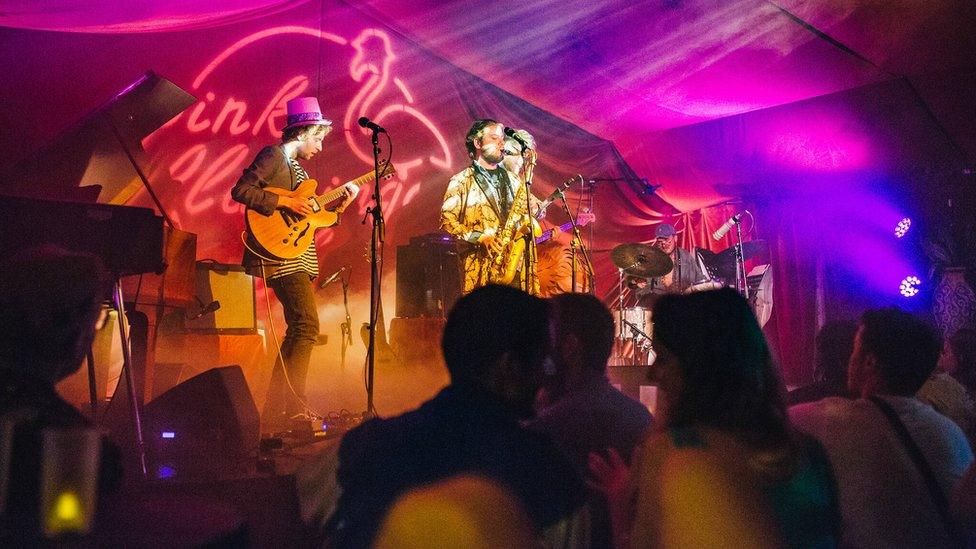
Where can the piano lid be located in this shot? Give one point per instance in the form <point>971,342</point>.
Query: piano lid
<point>87,162</point>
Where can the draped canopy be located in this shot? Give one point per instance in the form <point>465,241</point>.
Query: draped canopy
<point>828,121</point>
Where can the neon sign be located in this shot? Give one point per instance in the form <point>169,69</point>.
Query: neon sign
<point>232,123</point>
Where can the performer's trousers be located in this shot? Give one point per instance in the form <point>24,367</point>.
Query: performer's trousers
<point>295,292</point>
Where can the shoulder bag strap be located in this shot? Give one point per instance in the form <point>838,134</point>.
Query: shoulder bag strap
<point>935,491</point>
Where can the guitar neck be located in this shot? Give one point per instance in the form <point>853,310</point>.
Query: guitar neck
<point>548,234</point>
<point>337,193</point>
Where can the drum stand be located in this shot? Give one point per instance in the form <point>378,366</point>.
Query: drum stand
<point>620,300</point>
<point>620,358</point>
<point>641,340</point>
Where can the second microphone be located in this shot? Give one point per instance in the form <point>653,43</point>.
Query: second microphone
<point>333,277</point>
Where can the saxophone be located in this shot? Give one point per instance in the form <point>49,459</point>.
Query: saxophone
<point>510,240</point>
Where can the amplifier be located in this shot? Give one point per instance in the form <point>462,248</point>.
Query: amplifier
<point>230,286</point>
<point>428,276</point>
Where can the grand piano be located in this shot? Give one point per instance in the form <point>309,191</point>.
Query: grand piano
<point>71,193</point>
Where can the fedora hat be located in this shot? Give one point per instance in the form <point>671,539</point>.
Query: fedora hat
<point>304,111</point>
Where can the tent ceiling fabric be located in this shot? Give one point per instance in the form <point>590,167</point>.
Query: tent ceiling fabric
<point>669,63</point>
<point>660,63</point>
<point>797,109</point>
<point>133,16</point>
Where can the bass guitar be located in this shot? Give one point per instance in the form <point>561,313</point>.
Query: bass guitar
<point>286,235</point>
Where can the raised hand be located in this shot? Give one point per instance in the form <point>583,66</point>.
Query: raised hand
<point>611,477</point>
<point>351,191</point>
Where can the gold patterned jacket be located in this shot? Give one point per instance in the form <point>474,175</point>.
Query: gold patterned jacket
<point>469,210</point>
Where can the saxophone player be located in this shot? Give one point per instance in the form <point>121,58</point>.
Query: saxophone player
<point>484,204</point>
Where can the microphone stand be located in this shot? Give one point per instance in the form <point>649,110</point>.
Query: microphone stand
<point>652,356</point>
<point>635,330</point>
<point>740,265</point>
<point>530,257</point>
<point>346,327</point>
<point>590,275</point>
<point>379,228</point>
<point>130,380</point>
<point>618,346</point>
<point>646,187</point>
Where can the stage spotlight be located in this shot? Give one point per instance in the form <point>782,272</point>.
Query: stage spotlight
<point>901,229</point>
<point>909,286</point>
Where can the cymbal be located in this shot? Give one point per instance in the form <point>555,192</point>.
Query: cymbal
<point>641,260</point>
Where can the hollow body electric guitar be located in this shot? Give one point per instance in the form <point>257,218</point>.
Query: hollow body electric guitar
<point>286,235</point>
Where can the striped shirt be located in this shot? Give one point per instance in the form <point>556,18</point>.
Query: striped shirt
<point>308,262</point>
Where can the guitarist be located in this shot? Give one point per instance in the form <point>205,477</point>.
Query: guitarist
<point>478,199</point>
<point>291,280</point>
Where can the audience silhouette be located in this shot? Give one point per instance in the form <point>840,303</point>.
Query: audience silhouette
<point>50,304</point>
<point>583,413</point>
<point>896,458</point>
<point>726,466</point>
<point>495,342</point>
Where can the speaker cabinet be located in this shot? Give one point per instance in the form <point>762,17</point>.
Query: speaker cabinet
<point>230,286</point>
<point>417,340</point>
<point>206,425</point>
<point>428,276</point>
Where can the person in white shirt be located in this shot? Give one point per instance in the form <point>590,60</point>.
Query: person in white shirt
<point>885,500</point>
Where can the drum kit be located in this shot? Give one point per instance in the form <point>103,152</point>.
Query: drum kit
<point>633,324</point>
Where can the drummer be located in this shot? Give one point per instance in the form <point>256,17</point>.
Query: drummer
<point>688,273</point>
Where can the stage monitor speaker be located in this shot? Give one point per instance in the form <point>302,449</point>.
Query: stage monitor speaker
<point>233,289</point>
<point>204,426</point>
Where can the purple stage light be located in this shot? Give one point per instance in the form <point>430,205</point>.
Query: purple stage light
<point>169,434</point>
<point>902,228</point>
<point>909,286</point>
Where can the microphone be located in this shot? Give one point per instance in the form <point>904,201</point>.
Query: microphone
<point>558,191</point>
<point>370,125</point>
<point>333,277</point>
<point>734,220</point>
<point>649,187</point>
<point>511,133</point>
<point>213,306</point>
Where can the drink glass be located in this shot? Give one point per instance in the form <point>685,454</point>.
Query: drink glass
<point>69,481</point>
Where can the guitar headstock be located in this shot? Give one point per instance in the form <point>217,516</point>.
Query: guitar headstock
<point>388,171</point>
<point>585,217</point>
